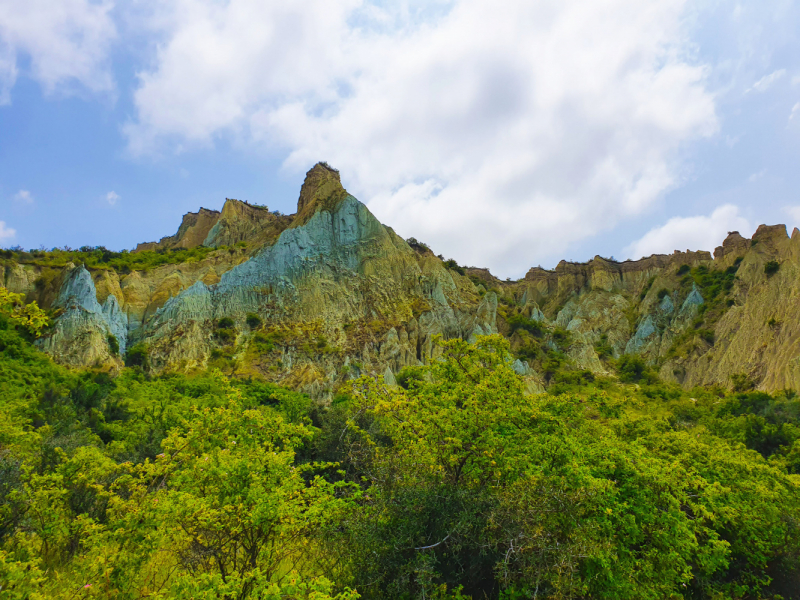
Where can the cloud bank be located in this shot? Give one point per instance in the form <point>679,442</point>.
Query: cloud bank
<point>66,42</point>
<point>498,133</point>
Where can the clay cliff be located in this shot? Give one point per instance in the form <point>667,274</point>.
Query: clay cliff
<point>313,299</point>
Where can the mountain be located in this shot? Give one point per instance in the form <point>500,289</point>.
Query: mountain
<point>313,299</point>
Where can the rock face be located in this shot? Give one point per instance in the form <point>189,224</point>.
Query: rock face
<point>313,299</point>
<point>192,232</point>
<point>81,334</point>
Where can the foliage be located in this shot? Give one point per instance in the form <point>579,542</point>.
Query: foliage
<point>417,245</point>
<point>632,368</point>
<point>603,348</point>
<point>647,287</point>
<point>454,266</point>
<point>468,482</point>
<point>113,344</point>
<point>225,323</point>
<point>454,484</point>
<point>100,257</point>
<point>253,320</point>
<point>771,267</point>
<point>28,316</point>
<point>532,326</point>
<point>137,356</point>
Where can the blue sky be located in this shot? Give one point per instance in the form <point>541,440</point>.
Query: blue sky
<point>506,134</point>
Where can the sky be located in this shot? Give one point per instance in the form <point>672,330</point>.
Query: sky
<point>504,134</point>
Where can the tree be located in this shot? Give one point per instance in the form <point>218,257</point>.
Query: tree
<point>28,316</point>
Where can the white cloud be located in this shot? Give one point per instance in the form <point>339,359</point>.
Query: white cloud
<point>6,233</point>
<point>766,82</point>
<point>795,111</point>
<point>66,41</point>
<point>24,197</point>
<point>527,126</point>
<point>756,176</point>
<point>794,214</point>
<point>690,233</point>
<point>112,197</point>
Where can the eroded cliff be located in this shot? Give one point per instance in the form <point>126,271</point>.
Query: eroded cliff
<point>313,299</point>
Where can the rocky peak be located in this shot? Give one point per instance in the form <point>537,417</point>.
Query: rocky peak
<point>734,243</point>
<point>322,184</point>
<point>192,232</point>
<point>771,236</point>
<point>244,222</point>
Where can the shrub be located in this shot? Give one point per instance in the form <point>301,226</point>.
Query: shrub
<point>707,335</point>
<point>561,337</point>
<point>408,375</point>
<point>225,323</point>
<point>253,320</point>
<point>662,292</point>
<point>454,266</point>
<point>683,269</point>
<point>137,356</point>
<point>647,287</point>
<point>225,336</point>
<point>519,322</point>
<point>741,382</point>
<point>632,368</point>
<point>113,344</point>
<point>603,347</point>
<point>771,268</point>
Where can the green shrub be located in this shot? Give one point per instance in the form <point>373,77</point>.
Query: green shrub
<point>137,356</point>
<point>647,287</point>
<point>225,336</point>
<point>454,266</point>
<point>253,320</point>
<point>603,347</point>
<point>771,268</point>
<point>519,322</point>
<point>113,344</point>
<point>225,323</point>
<point>707,335</point>
<point>561,337</point>
<point>662,292</point>
<point>632,368</point>
<point>741,382</point>
<point>407,376</point>
<point>683,269</point>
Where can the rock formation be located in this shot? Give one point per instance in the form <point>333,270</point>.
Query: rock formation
<point>313,299</point>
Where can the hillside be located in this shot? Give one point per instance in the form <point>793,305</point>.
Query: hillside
<point>315,299</point>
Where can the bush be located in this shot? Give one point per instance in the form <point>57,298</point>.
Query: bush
<point>454,266</point>
<point>113,344</point>
<point>741,382</point>
<point>707,335</point>
<point>253,320</point>
<point>225,323</point>
<point>137,356</point>
<point>519,322</point>
<point>603,347</point>
<point>771,268</point>
<point>225,336</point>
<point>683,269</point>
<point>408,375</point>
<point>662,292</point>
<point>632,368</point>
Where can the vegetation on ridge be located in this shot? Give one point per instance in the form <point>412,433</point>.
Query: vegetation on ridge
<point>100,257</point>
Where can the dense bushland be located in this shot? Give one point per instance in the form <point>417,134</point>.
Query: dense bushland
<point>453,484</point>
